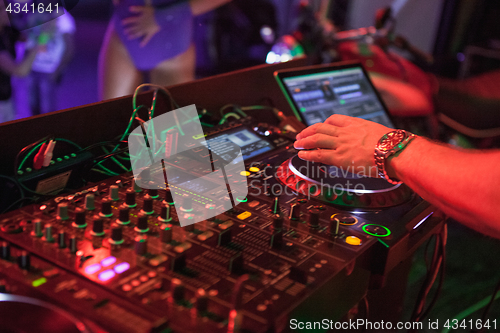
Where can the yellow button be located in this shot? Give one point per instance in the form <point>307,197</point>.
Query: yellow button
<point>254,169</point>
<point>244,215</point>
<point>353,240</point>
<point>245,173</point>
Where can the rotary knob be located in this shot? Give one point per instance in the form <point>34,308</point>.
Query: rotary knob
<point>147,205</point>
<point>166,233</point>
<point>80,219</point>
<point>295,209</point>
<point>165,213</point>
<point>62,211</point>
<point>61,239</point>
<point>314,218</point>
<point>168,197</point>
<point>123,215</point>
<point>24,260</point>
<point>141,245</point>
<point>106,210</point>
<point>277,222</point>
<point>177,290</point>
<point>97,226</point>
<point>142,223</point>
<point>5,251</point>
<point>114,193</point>
<point>116,234</point>
<point>89,201</point>
<point>130,198</point>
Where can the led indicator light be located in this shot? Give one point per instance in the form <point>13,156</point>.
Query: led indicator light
<point>92,269</point>
<point>120,268</point>
<point>108,261</point>
<point>106,275</point>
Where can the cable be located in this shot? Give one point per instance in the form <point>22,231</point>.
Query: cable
<point>227,115</point>
<point>444,236</point>
<point>35,144</point>
<point>38,144</point>
<point>488,307</point>
<point>173,104</point>
<point>437,266</point>
<point>470,310</point>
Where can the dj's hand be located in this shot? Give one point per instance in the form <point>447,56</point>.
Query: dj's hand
<point>143,25</point>
<point>344,142</point>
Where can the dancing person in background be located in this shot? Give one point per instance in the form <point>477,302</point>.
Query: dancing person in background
<point>8,65</point>
<point>149,40</point>
<point>56,38</point>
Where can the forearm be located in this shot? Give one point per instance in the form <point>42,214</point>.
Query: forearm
<point>465,185</point>
<point>199,7</point>
<point>23,68</point>
<point>11,67</point>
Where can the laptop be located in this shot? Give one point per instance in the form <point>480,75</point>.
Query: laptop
<point>317,92</point>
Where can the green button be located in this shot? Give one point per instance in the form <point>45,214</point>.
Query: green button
<point>39,282</point>
<point>241,199</point>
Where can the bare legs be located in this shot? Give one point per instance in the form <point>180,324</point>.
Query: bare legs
<point>117,73</point>
<point>176,70</point>
<point>119,77</point>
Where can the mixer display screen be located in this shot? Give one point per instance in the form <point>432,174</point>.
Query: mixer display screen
<point>340,91</point>
<point>251,145</point>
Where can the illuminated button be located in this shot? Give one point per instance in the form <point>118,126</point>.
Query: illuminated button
<point>120,268</point>
<point>135,283</point>
<point>254,169</point>
<point>244,215</point>
<point>182,247</point>
<point>205,235</point>
<point>38,282</point>
<point>51,273</point>
<point>108,261</point>
<point>241,199</point>
<point>127,287</point>
<point>226,225</point>
<point>245,173</point>
<point>143,278</point>
<point>376,230</point>
<point>344,219</point>
<point>353,240</point>
<point>92,269</point>
<point>254,204</point>
<point>152,274</point>
<point>106,275</point>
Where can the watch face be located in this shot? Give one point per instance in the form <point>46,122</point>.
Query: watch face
<point>392,140</point>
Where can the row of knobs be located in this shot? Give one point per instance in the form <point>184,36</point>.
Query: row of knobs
<point>106,208</point>
<point>295,215</point>
<point>23,260</point>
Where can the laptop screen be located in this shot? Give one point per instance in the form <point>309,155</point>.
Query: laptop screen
<point>317,95</point>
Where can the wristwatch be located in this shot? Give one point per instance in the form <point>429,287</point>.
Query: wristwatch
<point>388,145</point>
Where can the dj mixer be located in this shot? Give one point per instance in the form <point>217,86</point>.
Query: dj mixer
<point>112,257</point>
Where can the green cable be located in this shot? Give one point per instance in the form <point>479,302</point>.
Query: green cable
<point>39,145</point>
<point>467,312</point>
<point>227,115</point>
<point>103,172</point>
<point>115,160</point>
<point>28,155</point>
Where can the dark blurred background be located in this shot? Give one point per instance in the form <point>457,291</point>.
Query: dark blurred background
<point>228,38</point>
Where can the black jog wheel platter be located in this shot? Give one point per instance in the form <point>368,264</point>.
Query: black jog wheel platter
<point>340,187</point>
